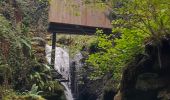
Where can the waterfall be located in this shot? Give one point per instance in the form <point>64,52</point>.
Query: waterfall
<point>77,59</point>
<point>76,65</point>
<point>61,66</point>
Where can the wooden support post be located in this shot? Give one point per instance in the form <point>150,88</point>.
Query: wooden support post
<point>73,74</point>
<point>53,49</point>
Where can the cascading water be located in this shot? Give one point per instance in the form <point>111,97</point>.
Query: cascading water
<point>61,66</point>
<point>76,65</point>
<point>77,59</point>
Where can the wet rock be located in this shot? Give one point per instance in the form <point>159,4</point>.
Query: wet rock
<point>118,96</point>
<point>147,77</point>
<point>149,81</point>
<point>164,94</point>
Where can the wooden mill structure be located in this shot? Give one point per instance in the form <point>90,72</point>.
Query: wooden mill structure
<point>74,17</point>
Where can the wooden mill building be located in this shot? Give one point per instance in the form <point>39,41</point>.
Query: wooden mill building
<point>75,17</point>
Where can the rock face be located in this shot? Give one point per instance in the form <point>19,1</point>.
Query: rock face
<point>147,78</point>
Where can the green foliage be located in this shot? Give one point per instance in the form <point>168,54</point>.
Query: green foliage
<point>4,91</point>
<point>137,22</point>
<point>39,75</point>
<point>15,44</point>
<point>5,29</point>
<point>20,69</point>
<point>9,94</point>
<point>53,86</point>
<point>112,57</point>
<point>35,15</point>
<point>34,90</point>
<point>23,97</point>
<point>74,42</point>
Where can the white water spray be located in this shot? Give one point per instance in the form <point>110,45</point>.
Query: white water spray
<point>61,66</point>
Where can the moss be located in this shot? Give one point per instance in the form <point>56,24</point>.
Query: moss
<point>23,97</point>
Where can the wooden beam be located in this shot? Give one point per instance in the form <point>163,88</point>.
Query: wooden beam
<point>75,29</point>
<point>53,49</point>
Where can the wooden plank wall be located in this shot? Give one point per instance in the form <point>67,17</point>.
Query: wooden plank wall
<point>78,14</point>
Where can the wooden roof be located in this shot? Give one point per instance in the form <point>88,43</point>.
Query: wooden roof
<point>74,17</point>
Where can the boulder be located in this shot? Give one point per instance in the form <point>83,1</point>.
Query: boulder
<point>147,77</point>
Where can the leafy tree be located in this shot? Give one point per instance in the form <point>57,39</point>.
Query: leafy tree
<point>137,22</point>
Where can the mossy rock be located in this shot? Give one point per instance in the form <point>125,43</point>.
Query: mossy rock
<point>23,97</point>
